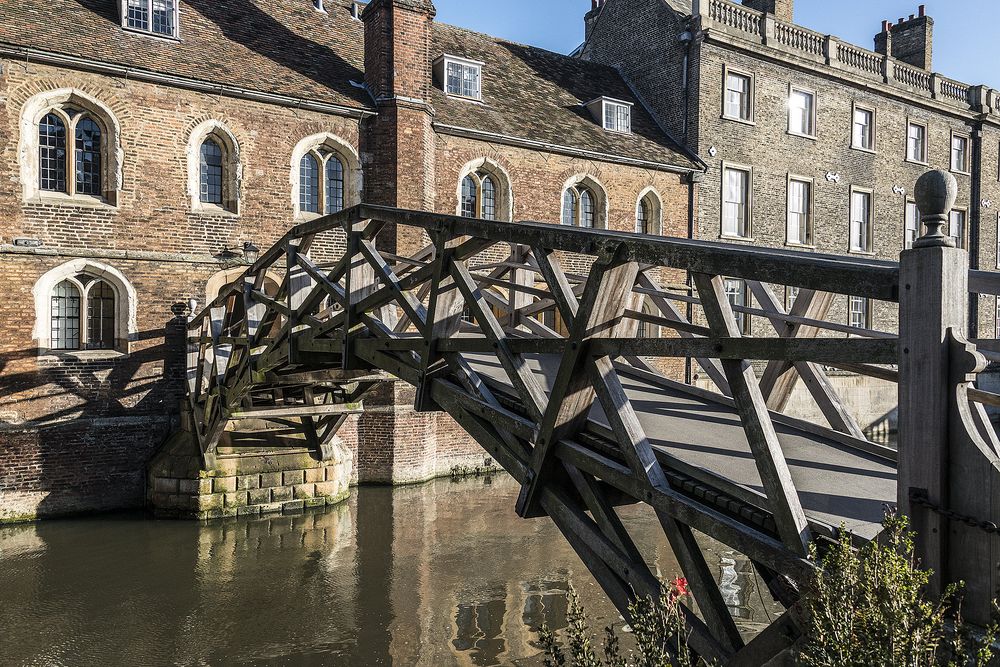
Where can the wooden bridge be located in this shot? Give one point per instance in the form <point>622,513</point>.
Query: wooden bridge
<point>551,372</point>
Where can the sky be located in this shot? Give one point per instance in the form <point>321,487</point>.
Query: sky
<point>963,29</point>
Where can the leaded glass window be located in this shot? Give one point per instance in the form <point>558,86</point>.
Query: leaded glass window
<point>156,16</point>
<point>334,184</point>
<point>70,153</point>
<point>580,207</point>
<point>479,196</point>
<point>463,79</point>
<point>137,14</point>
<point>642,217</point>
<point>88,157</point>
<point>309,184</point>
<point>100,316</point>
<point>65,313</point>
<point>212,171</point>
<point>323,179</point>
<point>469,197</point>
<point>52,154</point>
<point>569,207</point>
<point>587,209</point>
<point>489,199</point>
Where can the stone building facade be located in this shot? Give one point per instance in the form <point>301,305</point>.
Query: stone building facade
<point>145,145</point>
<point>814,134</point>
<point>812,144</point>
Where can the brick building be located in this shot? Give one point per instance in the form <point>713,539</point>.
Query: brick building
<point>145,144</point>
<point>811,143</point>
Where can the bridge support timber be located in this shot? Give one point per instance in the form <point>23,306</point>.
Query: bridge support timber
<point>555,349</point>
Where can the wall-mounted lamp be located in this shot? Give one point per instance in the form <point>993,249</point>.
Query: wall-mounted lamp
<point>250,252</point>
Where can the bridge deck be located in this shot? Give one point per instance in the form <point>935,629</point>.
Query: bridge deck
<point>837,484</point>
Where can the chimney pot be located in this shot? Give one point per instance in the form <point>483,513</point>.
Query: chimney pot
<point>922,11</point>
<point>885,25</point>
<point>900,21</point>
<point>912,17</point>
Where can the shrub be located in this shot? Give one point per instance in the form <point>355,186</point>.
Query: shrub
<point>867,608</point>
<point>658,628</point>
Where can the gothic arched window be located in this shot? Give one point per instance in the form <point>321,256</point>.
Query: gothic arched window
<point>70,145</point>
<point>580,206</point>
<point>73,329</point>
<point>479,196</point>
<point>326,197</point>
<point>212,172</point>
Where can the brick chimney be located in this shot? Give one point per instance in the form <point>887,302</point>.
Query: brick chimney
<point>590,18</point>
<point>783,10</point>
<point>398,147</point>
<point>909,40</point>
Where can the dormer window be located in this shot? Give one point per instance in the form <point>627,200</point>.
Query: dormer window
<point>460,77</point>
<point>157,17</point>
<point>613,115</point>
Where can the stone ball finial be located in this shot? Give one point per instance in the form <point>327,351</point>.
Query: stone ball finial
<point>935,192</point>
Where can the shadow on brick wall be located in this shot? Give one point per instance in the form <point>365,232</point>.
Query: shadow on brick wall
<point>87,427</point>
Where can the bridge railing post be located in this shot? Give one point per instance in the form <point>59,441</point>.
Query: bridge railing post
<point>943,463</point>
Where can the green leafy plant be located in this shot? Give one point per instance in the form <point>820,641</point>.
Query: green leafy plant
<point>865,608</point>
<point>658,628</point>
<point>868,608</point>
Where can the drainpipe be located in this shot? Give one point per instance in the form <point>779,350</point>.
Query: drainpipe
<point>975,220</point>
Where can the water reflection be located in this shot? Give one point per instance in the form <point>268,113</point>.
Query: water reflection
<point>439,574</point>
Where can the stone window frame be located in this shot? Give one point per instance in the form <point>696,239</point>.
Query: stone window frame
<point>907,202</point>
<point>726,71</point>
<point>967,171</point>
<point>814,120</point>
<point>727,166</point>
<point>112,155</point>
<point>964,210</point>
<point>440,68</point>
<point>126,320</point>
<point>791,295</point>
<point>175,36</point>
<point>870,249</point>
<point>501,178</point>
<point>867,312</point>
<point>811,226</point>
<point>744,321</point>
<point>997,241</point>
<point>353,176</point>
<point>651,195</point>
<point>996,317</point>
<point>232,169</point>
<point>599,192</point>
<point>855,107</point>
<point>906,141</point>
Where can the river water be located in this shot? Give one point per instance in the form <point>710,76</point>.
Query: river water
<point>443,573</point>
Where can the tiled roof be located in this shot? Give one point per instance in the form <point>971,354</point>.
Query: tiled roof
<point>283,47</point>
<point>286,47</point>
<point>535,94</point>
